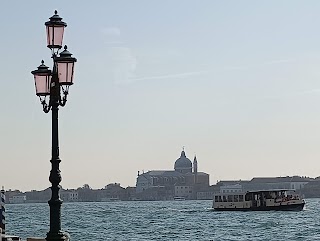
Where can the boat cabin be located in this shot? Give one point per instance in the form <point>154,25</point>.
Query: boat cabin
<point>258,200</point>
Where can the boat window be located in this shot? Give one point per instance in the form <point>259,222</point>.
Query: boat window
<point>216,198</point>
<point>220,199</point>
<point>248,197</point>
<point>267,195</point>
<point>240,198</point>
<point>224,198</point>
<point>230,198</point>
<point>236,198</point>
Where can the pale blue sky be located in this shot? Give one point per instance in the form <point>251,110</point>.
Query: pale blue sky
<point>235,82</point>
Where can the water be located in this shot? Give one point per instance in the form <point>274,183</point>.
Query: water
<point>166,221</point>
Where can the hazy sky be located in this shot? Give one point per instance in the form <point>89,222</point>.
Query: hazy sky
<point>235,82</point>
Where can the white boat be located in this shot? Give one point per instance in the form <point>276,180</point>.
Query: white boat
<point>179,198</point>
<point>264,200</point>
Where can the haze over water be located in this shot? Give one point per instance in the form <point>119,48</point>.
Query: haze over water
<point>166,221</point>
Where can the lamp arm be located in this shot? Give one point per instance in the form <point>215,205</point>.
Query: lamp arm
<point>45,107</point>
<point>63,101</point>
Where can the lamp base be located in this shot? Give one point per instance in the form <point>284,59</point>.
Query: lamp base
<point>60,236</point>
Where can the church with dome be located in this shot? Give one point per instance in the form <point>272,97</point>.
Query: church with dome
<point>185,181</point>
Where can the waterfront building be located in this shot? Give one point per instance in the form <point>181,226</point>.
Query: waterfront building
<point>293,182</point>
<point>184,181</point>
<point>87,194</point>
<point>18,199</point>
<point>15,196</point>
<point>34,196</point>
<point>112,192</point>
<point>206,194</point>
<point>131,194</point>
<point>264,183</point>
<point>231,188</point>
<point>69,195</point>
<point>183,191</point>
<point>312,189</point>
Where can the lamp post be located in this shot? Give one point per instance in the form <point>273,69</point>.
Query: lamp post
<point>55,84</point>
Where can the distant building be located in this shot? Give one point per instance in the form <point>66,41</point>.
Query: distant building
<point>131,193</point>
<point>15,196</point>
<point>69,195</point>
<point>312,189</point>
<point>231,188</point>
<point>183,191</point>
<point>112,192</point>
<point>18,199</point>
<point>38,196</point>
<point>184,181</point>
<point>87,194</point>
<point>264,183</point>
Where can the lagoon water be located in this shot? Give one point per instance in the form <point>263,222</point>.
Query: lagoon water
<point>165,221</point>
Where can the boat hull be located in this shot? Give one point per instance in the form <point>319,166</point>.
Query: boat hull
<point>291,207</point>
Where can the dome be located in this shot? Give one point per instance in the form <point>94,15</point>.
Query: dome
<point>183,164</point>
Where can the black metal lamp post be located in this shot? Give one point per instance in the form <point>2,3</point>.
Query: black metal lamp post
<point>55,85</point>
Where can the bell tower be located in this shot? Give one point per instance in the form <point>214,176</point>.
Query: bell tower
<point>195,165</point>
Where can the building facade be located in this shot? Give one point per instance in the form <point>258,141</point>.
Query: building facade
<point>69,195</point>
<point>18,199</point>
<point>184,181</point>
<point>264,183</point>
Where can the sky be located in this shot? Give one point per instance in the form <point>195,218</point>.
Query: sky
<point>237,83</point>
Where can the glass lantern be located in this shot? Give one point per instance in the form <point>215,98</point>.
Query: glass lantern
<point>65,66</point>
<point>55,29</point>
<point>42,79</point>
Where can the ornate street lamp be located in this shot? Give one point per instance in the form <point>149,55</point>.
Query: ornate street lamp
<point>55,85</point>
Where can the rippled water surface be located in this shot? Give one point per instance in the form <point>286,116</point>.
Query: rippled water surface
<point>176,220</point>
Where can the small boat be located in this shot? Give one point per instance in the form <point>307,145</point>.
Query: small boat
<point>179,198</point>
<point>265,200</point>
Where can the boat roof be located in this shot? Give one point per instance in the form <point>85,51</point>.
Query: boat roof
<point>255,191</point>
<point>270,190</point>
